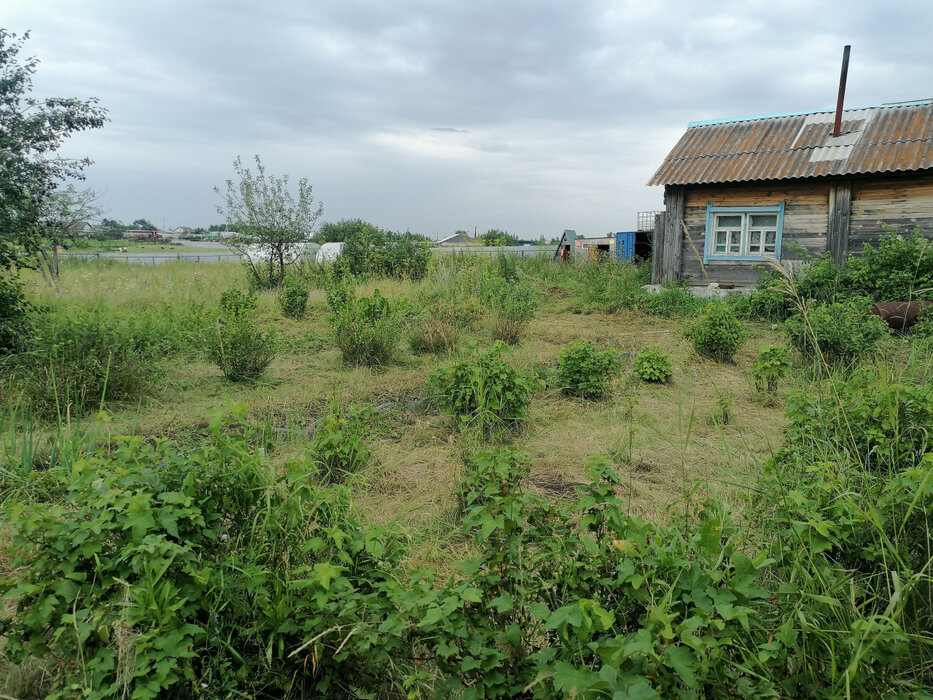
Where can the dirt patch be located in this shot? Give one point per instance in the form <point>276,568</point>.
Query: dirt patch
<point>554,485</point>
<point>645,468</point>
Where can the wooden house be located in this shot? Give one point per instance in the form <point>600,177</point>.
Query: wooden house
<point>566,243</point>
<point>739,192</point>
<point>459,238</point>
<point>585,248</point>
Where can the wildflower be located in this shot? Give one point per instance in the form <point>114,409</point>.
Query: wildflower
<point>626,546</point>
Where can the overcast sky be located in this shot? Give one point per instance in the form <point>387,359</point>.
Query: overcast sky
<point>437,115</point>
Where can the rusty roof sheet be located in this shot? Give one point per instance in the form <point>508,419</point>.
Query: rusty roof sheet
<point>874,140</point>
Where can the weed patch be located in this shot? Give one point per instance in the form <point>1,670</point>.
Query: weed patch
<point>584,371</point>
<point>484,392</point>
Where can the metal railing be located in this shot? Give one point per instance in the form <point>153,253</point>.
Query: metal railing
<point>646,220</point>
<point>522,251</point>
<point>143,259</point>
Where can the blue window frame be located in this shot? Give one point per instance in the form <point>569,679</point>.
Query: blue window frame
<point>743,233</point>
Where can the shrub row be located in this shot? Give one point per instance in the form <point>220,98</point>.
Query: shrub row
<point>152,570</point>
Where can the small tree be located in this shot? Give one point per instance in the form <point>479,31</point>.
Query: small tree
<point>272,223</point>
<point>62,214</point>
<point>495,237</point>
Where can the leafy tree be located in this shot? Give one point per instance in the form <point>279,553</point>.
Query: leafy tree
<point>272,222</point>
<point>62,214</point>
<point>144,225</point>
<point>345,229</point>
<point>31,131</point>
<point>113,224</point>
<point>495,237</point>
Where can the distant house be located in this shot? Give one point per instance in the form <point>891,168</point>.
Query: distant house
<point>588,248</point>
<point>81,228</point>
<point>182,230</point>
<point>456,240</point>
<point>740,192</point>
<point>566,243</point>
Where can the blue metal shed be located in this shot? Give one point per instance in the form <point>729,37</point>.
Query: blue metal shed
<point>625,245</point>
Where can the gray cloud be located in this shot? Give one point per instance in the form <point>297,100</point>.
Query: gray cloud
<point>531,116</point>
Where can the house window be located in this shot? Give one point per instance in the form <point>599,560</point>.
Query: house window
<point>743,233</point>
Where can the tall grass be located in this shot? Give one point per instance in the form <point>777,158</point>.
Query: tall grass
<point>848,503</point>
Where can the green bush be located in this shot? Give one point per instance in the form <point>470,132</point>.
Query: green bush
<point>365,329</point>
<point>339,447</point>
<point>898,269</point>
<point>821,280</point>
<point>370,251</point>
<point>16,316</point>
<point>238,346</point>
<point>654,365</point>
<point>769,301</point>
<point>74,365</point>
<point>489,475</point>
<point>717,334</point>
<point>584,371</point>
<point>484,391</point>
<point>293,296</point>
<point>164,571</point>
<point>771,367</point>
<point>672,300</point>
<point>873,419</point>
<point>237,304</point>
<point>179,571</point>
<point>836,333</point>
<point>506,267</point>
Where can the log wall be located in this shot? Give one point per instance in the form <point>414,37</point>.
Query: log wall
<point>900,202</point>
<point>806,208</point>
<point>839,215</point>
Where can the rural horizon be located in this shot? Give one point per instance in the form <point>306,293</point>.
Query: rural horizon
<point>587,446</point>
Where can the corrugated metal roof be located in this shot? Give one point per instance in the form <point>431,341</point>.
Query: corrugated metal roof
<point>872,140</point>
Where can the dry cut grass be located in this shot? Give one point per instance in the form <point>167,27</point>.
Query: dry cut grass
<point>668,442</point>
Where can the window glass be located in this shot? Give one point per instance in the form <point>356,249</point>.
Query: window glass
<point>720,242</point>
<point>763,220</point>
<point>735,242</point>
<point>745,234</point>
<point>770,241</point>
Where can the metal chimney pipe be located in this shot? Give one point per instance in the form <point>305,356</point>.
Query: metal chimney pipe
<point>837,126</point>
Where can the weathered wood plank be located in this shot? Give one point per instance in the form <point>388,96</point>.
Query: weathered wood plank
<point>758,194</point>
<point>902,203</point>
<point>837,226</point>
<point>657,250</point>
<point>672,234</point>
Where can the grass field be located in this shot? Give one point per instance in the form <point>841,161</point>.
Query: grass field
<point>91,245</point>
<point>700,537</point>
<point>665,439</point>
